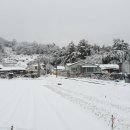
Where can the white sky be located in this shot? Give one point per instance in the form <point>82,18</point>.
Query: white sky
<point>62,21</point>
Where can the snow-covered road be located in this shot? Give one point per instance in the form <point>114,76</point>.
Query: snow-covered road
<point>100,98</point>
<point>32,105</point>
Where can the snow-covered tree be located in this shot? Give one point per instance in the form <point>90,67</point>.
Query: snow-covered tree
<point>84,49</point>
<point>120,44</point>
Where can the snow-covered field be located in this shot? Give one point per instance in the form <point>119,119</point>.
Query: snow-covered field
<point>74,104</point>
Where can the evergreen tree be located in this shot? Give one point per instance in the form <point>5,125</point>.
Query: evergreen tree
<point>120,45</point>
<point>82,49</point>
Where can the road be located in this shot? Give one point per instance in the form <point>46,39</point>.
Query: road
<point>31,105</point>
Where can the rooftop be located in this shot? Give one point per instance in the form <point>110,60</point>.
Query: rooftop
<point>11,68</point>
<point>109,66</point>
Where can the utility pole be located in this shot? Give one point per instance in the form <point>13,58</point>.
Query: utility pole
<point>112,119</point>
<point>39,68</point>
<point>56,71</point>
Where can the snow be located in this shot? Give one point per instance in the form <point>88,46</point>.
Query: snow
<point>12,68</point>
<point>75,104</point>
<point>109,66</point>
<point>60,68</point>
<point>69,64</point>
<point>22,64</point>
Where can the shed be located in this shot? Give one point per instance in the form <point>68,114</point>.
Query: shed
<point>15,70</point>
<point>109,68</point>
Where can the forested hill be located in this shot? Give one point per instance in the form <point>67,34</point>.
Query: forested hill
<point>71,53</point>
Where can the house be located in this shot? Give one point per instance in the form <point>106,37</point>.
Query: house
<point>81,68</point>
<point>59,70</point>
<point>89,69</point>
<point>74,68</point>
<point>109,68</point>
<point>15,70</point>
<point>37,68</point>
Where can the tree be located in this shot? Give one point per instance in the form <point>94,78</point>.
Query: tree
<point>120,44</point>
<point>83,49</point>
<point>71,48</point>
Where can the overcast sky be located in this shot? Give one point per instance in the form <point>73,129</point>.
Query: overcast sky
<point>62,21</point>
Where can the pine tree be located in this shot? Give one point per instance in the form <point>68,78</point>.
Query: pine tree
<point>82,46</point>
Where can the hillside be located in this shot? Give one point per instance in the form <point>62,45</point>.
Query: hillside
<point>54,55</point>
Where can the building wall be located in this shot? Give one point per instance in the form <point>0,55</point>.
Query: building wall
<point>75,68</point>
<point>35,69</point>
<point>91,70</point>
<point>126,67</point>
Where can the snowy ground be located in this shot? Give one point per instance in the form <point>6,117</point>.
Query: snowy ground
<point>76,104</point>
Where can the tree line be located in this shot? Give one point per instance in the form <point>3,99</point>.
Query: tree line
<point>55,55</point>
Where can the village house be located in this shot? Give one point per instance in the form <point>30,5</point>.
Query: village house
<point>5,71</point>
<point>74,69</point>
<point>10,66</point>
<point>81,68</point>
<point>34,68</point>
<point>59,70</point>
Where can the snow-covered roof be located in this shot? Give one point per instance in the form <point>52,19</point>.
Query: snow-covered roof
<point>22,64</point>
<point>60,68</point>
<point>69,64</point>
<point>9,61</point>
<point>109,66</point>
<point>11,68</point>
<point>36,64</point>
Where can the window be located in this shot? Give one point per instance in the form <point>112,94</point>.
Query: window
<point>36,67</point>
<point>90,69</point>
<point>74,69</point>
<point>96,69</point>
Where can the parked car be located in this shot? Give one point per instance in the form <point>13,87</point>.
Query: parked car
<point>10,75</point>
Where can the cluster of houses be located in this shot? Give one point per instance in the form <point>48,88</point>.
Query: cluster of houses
<point>77,69</point>
<point>85,69</point>
<point>20,68</point>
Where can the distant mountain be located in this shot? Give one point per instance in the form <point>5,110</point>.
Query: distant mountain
<point>4,42</point>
